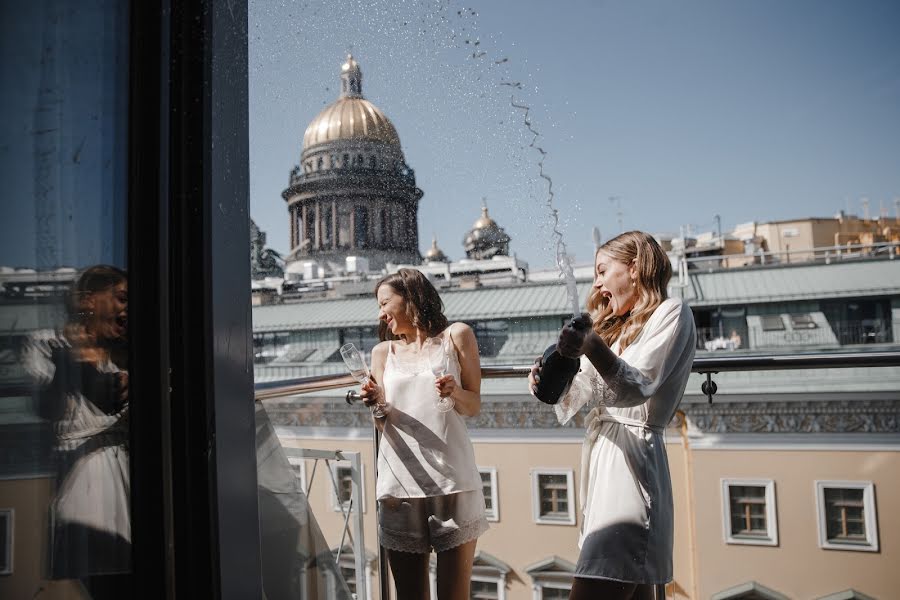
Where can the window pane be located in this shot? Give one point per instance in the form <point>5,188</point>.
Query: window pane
<point>484,590</point>
<point>845,519</point>
<point>64,358</point>
<point>748,510</point>
<point>554,594</point>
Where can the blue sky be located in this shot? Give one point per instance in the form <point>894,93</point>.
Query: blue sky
<point>755,110</point>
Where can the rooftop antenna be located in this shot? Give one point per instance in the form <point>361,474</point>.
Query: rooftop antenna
<point>865,207</point>
<point>598,241</point>
<point>617,202</point>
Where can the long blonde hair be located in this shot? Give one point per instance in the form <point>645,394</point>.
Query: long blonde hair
<point>653,271</point>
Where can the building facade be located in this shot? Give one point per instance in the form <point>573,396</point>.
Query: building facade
<point>782,484</point>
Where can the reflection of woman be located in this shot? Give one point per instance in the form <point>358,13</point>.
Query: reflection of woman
<point>84,393</point>
<point>429,490</point>
<point>635,364</point>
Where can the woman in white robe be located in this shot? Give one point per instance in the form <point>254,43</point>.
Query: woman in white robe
<point>635,362</point>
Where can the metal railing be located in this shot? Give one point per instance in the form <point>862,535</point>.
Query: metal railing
<point>271,390</point>
<point>706,365</point>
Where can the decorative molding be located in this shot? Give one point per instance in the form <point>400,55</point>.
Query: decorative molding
<point>781,417</point>
<point>856,416</point>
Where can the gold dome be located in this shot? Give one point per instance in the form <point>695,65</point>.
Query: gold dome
<point>434,253</point>
<point>350,117</point>
<point>484,222</point>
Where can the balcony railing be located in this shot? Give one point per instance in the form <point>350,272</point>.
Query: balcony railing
<point>707,365</point>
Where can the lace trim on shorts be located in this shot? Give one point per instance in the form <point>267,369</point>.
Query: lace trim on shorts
<point>402,541</point>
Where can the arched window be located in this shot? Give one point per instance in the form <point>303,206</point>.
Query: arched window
<point>360,161</point>
<point>319,164</point>
<point>346,161</point>
<point>373,163</point>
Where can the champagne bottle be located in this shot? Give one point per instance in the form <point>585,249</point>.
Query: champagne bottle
<point>557,371</point>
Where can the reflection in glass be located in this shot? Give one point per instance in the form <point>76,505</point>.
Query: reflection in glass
<point>81,380</point>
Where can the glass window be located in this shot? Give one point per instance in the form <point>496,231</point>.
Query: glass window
<point>552,497</point>
<point>64,402</point>
<point>803,321</point>
<point>553,593</point>
<point>845,515</point>
<point>847,518</point>
<point>489,488</point>
<point>772,323</point>
<point>749,511</point>
<point>484,590</point>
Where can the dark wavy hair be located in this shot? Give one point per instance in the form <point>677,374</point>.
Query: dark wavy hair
<point>93,279</point>
<point>424,306</point>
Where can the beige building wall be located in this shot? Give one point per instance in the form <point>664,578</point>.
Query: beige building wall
<point>703,563</point>
<point>30,499</point>
<point>797,567</point>
<point>793,237</point>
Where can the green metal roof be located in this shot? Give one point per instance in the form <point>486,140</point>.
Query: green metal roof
<point>507,302</point>
<point>787,283</point>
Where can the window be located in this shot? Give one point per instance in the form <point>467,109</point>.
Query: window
<point>489,487</point>
<point>552,497</point>
<point>347,567</point>
<point>803,321</point>
<point>343,477</point>
<point>372,162</point>
<point>748,509</point>
<point>551,578</point>
<point>554,593</point>
<point>299,467</point>
<point>846,512</point>
<point>6,541</point>
<point>772,323</point>
<point>484,590</point>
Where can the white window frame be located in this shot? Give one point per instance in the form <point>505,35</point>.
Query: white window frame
<point>500,582</point>
<point>298,466</point>
<point>9,514</point>
<point>536,496</point>
<point>771,538</point>
<point>492,515</point>
<point>871,517</point>
<point>333,502</point>
<point>540,586</point>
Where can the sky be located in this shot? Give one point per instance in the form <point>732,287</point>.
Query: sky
<point>658,115</point>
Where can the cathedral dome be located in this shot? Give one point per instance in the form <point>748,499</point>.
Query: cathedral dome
<point>434,253</point>
<point>486,238</point>
<point>350,117</point>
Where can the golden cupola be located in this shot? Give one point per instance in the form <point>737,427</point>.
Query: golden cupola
<point>351,116</point>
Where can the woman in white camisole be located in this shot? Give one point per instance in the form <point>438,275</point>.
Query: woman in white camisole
<point>428,488</point>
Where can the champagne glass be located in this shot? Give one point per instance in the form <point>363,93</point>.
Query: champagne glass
<point>439,361</point>
<point>360,372</point>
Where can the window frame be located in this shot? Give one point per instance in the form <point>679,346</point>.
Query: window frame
<point>553,585</point>
<point>298,466</point>
<point>536,496</point>
<point>870,515</point>
<point>333,500</point>
<point>771,538</point>
<point>497,581</point>
<point>9,514</point>
<point>492,515</point>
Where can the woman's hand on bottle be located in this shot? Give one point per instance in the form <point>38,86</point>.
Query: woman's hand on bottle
<point>574,337</point>
<point>371,393</point>
<point>445,385</point>
<point>534,376</point>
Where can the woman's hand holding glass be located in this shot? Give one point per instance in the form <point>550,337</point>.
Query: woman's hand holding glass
<point>444,383</point>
